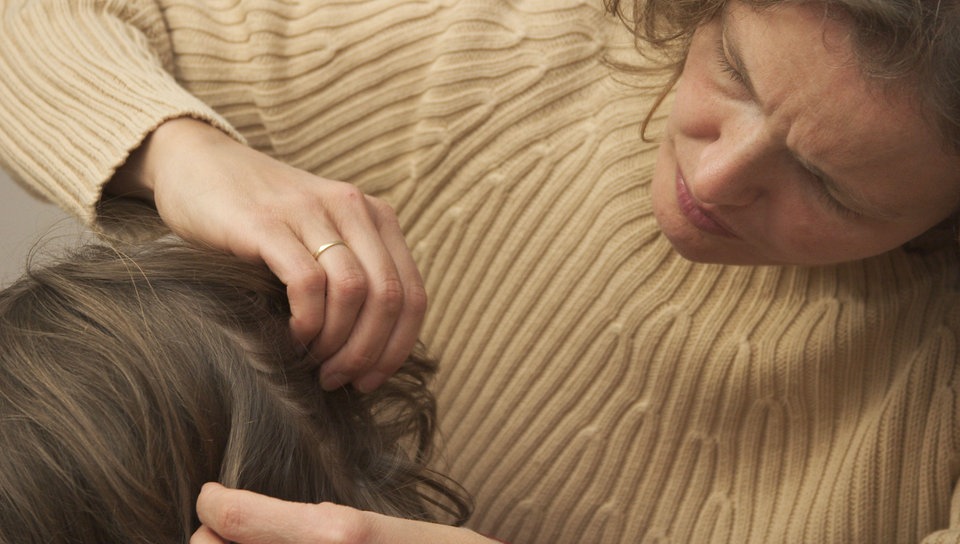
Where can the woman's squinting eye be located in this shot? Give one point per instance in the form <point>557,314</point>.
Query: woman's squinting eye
<point>821,190</point>
<point>831,201</point>
<point>725,66</point>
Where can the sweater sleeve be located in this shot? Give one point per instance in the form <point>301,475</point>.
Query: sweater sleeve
<point>84,82</point>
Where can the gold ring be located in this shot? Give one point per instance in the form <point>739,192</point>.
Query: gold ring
<point>324,247</point>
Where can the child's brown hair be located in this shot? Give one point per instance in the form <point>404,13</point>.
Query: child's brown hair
<point>129,378</point>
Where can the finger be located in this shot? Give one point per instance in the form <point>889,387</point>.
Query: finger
<point>245,517</point>
<point>292,262</point>
<point>345,295</point>
<point>205,535</point>
<point>407,329</point>
<point>249,518</point>
<point>380,310</point>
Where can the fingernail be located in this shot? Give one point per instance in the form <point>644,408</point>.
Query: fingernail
<point>334,381</point>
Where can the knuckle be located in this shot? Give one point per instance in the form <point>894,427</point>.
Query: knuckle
<point>416,300</point>
<point>312,204</point>
<point>308,281</point>
<point>230,519</point>
<point>390,296</point>
<point>350,194</point>
<point>352,287</point>
<point>384,211</point>
<point>342,525</point>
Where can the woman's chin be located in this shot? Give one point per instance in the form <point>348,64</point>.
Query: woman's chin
<point>697,249</point>
<point>701,247</point>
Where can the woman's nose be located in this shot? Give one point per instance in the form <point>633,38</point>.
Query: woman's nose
<point>730,170</point>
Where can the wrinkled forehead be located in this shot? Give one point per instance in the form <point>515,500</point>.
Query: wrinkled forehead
<point>862,130</point>
<point>809,82</point>
<point>894,46</point>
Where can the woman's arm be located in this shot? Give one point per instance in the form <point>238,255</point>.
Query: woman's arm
<point>88,98</point>
<point>83,85</point>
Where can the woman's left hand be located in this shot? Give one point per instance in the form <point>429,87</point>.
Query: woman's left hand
<point>244,517</point>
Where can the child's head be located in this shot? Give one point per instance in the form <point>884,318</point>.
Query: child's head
<point>128,379</point>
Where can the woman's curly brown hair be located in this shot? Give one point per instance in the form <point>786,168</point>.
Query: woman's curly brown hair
<point>914,43</point>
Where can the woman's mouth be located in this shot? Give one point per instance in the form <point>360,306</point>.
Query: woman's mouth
<point>695,214</point>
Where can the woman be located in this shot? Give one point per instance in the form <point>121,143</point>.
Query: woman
<point>129,378</point>
<point>605,388</point>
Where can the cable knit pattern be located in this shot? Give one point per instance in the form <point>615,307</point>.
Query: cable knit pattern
<point>596,387</point>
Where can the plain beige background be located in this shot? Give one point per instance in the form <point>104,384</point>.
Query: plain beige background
<point>25,222</point>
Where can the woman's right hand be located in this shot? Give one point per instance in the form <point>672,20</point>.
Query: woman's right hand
<point>358,307</point>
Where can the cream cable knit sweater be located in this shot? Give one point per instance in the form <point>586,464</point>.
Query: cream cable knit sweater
<point>596,387</point>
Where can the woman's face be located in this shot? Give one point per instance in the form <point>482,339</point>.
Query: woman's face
<point>778,150</point>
